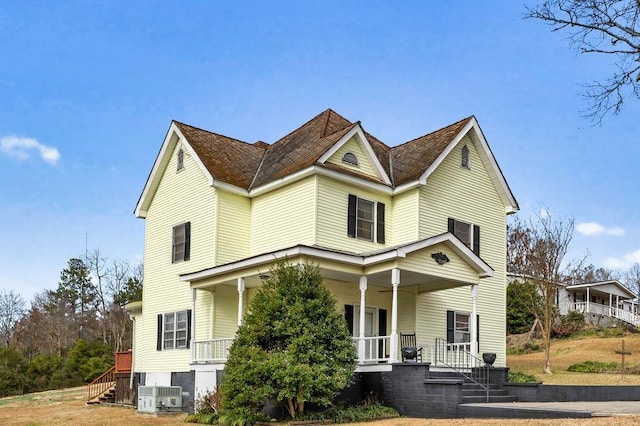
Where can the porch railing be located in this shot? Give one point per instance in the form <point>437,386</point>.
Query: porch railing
<point>209,351</point>
<point>376,348</point>
<point>473,368</point>
<point>606,310</point>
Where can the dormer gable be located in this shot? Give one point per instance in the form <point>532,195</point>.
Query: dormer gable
<point>353,152</point>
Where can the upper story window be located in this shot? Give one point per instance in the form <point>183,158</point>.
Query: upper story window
<point>350,158</point>
<point>181,242</point>
<point>180,160</point>
<point>465,157</point>
<point>365,219</point>
<point>467,233</point>
<point>174,330</point>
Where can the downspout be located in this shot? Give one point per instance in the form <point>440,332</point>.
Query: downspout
<point>133,352</point>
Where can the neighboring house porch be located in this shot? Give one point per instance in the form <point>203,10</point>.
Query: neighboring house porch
<point>393,284</point>
<point>605,298</point>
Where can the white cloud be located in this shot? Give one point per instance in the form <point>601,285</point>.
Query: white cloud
<point>544,213</point>
<point>593,228</point>
<point>21,148</point>
<point>622,263</point>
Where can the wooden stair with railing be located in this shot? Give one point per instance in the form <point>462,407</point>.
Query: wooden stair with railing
<point>101,385</point>
<point>113,386</point>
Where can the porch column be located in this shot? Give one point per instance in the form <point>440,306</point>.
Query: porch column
<point>395,280</point>
<point>240,293</point>
<point>361,342</point>
<point>588,300</point>
<point>611,305</point>
<point>194,296</point>
<point>474,322</point>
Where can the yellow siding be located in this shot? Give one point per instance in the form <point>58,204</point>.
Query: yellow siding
<point>333,203</point>
<point>181,197</point>
<point>467,195</point>
<point>283,218</point>
<point>405,217</point>
<point>233,227</point>
<point>456,269</point>
<point>364,162</point>
<point>203,315</point>
<point>225,311</point>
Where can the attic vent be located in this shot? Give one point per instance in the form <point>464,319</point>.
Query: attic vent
<point>350,158</point>
<point>465,157</point>
<point>180,161</point>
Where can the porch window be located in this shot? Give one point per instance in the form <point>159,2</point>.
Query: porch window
<point>467,233</point>
<point>174,330</point>
<point>365,219</point>
<point>181,242</point>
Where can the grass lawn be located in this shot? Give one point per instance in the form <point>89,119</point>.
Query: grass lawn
<point>565,352</point>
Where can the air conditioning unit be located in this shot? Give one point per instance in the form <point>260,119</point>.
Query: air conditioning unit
<point>155,399</point>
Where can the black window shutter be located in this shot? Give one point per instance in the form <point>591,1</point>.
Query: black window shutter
<point>451,327</point>
<point>451,225</point>
<point>476,240</point>
<point>348,316</point>
<point>188,328</point>
<point>159,342</point>
<point>382,329</point>
<point>351,223</point>
<point>187,240</point>
<point>380,224</point>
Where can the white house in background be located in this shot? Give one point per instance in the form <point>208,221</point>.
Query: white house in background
<point>608,298</point>
<point>409,239</point>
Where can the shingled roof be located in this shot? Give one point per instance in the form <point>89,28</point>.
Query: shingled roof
<point>251,165</point>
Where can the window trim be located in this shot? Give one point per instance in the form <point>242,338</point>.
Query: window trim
<point>377,221</point>
<point>474,234</point>
<point>178,326</point>
<point>184,245</point>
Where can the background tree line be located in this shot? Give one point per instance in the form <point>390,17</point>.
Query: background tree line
<point>67,336</point>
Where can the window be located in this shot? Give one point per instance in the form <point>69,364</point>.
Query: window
<point>365,219</point>
<point>459,328</point>
<point>465,157</point>
<point>350,158</point>
<point>174,330</point>
<point>461,333</point>
<point>180,159</point>
<point>181,242</point>
<point>467,233</point>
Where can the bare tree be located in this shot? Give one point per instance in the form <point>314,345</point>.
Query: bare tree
<point>608,27</point>
<point>632,279</point>
<point>591,274</point>
<point>536,251</point>
<point>11,311</point>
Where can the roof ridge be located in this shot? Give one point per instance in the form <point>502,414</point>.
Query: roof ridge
<point>214,133</point>
<point>326,111</point>
<point>435,131</point>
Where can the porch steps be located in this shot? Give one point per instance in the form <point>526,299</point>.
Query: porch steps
<point>108,397</point>
<point>474,393</point>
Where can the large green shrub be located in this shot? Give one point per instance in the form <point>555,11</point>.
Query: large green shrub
<point>293,348</point>
<point>13,377</point>
<point>521,296</point>
<point>85,362</point>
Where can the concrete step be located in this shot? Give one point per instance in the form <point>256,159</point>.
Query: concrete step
<point>492,398</point>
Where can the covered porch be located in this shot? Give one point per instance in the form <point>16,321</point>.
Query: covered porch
<point>376,290</point>
<point>607,298</point>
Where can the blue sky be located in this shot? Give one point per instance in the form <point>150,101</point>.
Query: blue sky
<point>88,90</point>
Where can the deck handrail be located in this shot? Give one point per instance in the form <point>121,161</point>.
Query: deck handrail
<point>102,383</point>
<point>477,371</point>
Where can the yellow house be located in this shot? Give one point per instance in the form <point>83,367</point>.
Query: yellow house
<point>410,239</point>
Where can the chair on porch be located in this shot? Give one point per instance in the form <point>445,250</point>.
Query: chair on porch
<point>409,348</point>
